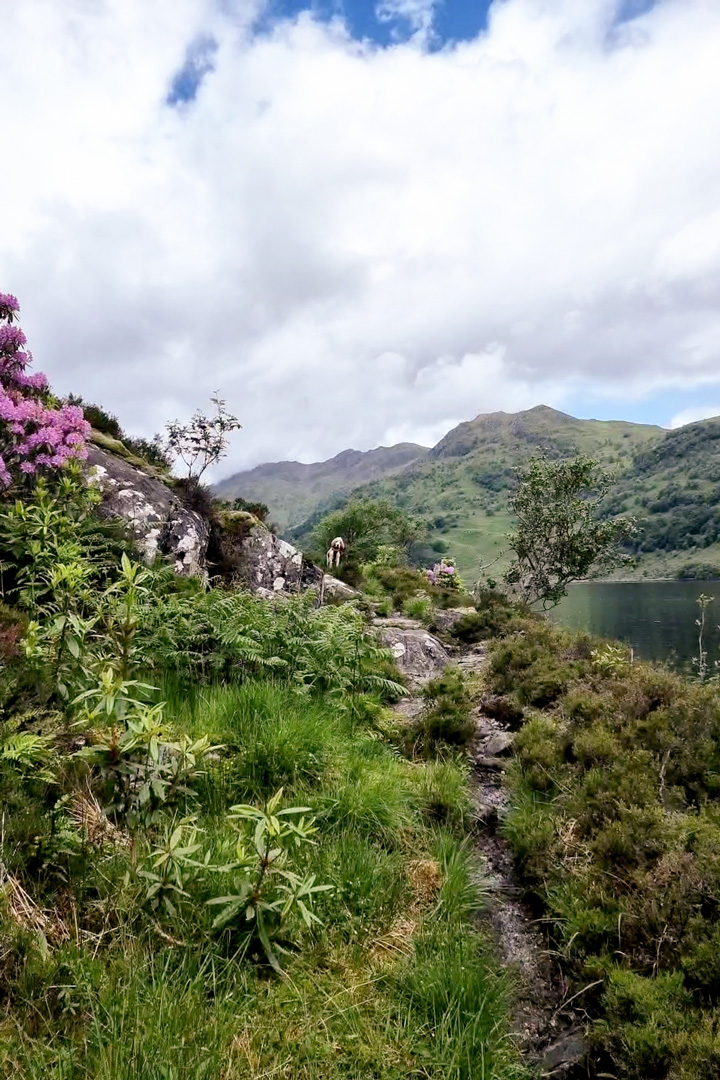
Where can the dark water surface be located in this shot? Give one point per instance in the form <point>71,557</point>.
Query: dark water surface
<point>657,618</point>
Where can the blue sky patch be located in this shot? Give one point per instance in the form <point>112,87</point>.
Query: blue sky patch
<point>454,20</point>
<point>199,62</point>
<point>657,408</point>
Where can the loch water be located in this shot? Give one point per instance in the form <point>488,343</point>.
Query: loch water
<point>655,618</point>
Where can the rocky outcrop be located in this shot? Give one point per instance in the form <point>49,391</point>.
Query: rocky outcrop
<point>445,619</point>
<point>419,656</point>
<point>268,565</point>
<point>242,549</point>
<point>335,589</point>
<point>153,513</point>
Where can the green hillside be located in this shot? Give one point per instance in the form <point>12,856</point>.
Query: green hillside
<point>461,488</point>
<point>293,491</point>
<point>673,488</point>
<point>669,480</point>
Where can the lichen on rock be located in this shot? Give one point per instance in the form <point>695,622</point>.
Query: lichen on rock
<point>153,513</point>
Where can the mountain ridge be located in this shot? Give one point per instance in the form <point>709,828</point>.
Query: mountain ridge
<point>293,489</point>
<point>460,487</point>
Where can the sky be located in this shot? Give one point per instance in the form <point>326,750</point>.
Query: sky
<point>364,222</point>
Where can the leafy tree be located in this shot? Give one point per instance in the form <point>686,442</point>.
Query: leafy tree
<point>368,527</point>
<point>559,536</point>
<point>203,440</point>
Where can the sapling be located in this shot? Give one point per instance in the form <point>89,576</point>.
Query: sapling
<point>267,891</point>
<point>203,441</point>
<point>701,660</point>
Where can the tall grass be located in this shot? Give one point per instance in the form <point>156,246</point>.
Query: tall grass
<point>395,982</point>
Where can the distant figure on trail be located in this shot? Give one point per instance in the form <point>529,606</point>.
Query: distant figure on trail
<point>335,551</point>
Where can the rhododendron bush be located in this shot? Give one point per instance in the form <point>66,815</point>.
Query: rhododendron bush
<point>33,434</point>
<point>443,573</point>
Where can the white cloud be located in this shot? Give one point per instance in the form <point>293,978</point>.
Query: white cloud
<point>418,14</point>
<point>354,244</point>
<point>690,416</point>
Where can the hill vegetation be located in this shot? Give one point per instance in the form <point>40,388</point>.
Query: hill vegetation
<point>673,488</point>
<point>459,490</point>
<point>223,853</point>
<point>293,491</point>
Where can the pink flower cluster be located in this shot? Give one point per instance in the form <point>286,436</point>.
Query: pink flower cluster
<point>31,433</point>
<point>442,573</point>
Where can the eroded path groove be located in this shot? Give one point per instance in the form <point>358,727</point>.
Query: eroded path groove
<point>548,1029</point>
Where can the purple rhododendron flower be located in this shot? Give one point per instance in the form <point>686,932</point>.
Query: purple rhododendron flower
<point>31,433</point>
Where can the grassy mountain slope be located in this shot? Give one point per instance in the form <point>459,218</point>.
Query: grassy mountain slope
<point>461,488</point>
<point>669,480</point>
<point>673,488</point>
<point>293,491</point>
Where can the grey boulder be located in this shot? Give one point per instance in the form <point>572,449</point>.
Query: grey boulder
<point>419,656</point>
<point>151,511</point>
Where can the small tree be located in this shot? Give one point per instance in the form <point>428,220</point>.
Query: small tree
<point>203,440</point>
<point>367,526</point>
<point>560,536</point>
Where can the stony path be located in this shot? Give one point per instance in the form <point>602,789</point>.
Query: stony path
<point>549,1033</point>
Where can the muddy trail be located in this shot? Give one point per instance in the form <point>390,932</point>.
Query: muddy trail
<point>547,1021</point>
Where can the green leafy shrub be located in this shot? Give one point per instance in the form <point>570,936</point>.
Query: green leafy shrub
<point>616,829</point>
<point>445,720</point>
<point>495,617</point>
<point>267,891</point>
<point>534,665</point>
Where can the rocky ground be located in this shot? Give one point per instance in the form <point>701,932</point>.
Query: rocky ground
<point>547,1026</point>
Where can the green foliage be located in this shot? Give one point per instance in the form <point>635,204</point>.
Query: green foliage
<point>170,865</point>
<point>536,666</point>
<point>257,509</point>
<point>443,790</point>
<point>616,828</point>
<point>419,607</point>
<point>203,440</point>
<point>141,769</point>
<point>611,660</point>
<point>366,527</point>
<point>145,727</point>
<point>267,892</point>
<point>558,537</point>
<point>403,584</point>
<point>445,720</point>
<point>26,751</point>
<point>494,617</point>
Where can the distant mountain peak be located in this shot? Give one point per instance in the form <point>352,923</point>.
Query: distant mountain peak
<point>293,490</point>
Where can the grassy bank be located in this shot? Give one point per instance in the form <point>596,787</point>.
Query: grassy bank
<point>394,981</point>
<point>215,860</point>
<point>615,786</point>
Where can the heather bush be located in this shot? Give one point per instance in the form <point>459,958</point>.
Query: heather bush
<point>616,829</point>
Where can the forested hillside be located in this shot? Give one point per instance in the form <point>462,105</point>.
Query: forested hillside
<point>461,489</point>
<point>673,488</point>
<point>669,480</point>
